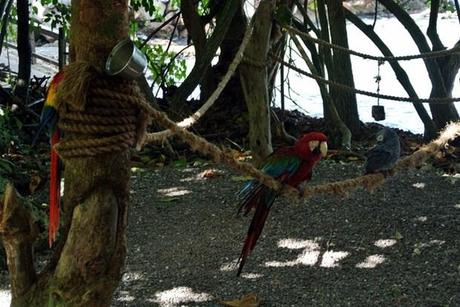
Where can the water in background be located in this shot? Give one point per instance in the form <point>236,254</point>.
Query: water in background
<point>305,91</point>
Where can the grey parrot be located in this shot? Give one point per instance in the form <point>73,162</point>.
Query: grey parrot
<point>382,157</point>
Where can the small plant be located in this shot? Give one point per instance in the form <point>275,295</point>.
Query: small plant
<point>8,125</point>
<point>58,15</point>
<point>166,69</point>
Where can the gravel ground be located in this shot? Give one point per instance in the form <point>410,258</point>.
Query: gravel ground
<point>397,246</point>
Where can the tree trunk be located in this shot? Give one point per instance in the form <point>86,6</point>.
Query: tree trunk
<point>5,10</point>
<point>449,67</point>
<point>196,31</point>
<point>203,63</point>
<point>230,107</point>
<point>342,70</point>
<point>86,266</point>
<point>254,80</point>
<point>345,134</point>
<point>24,49</point>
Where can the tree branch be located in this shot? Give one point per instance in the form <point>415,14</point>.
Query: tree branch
<point>400,73</point>
<point>18,233</point>
<point>432,30</point>
<point>202,64</point>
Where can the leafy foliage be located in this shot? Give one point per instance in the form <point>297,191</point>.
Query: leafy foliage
<point>203,7</point>
<point>8,125</point>
<point>149,6</point>
<point>166,69</point>
<point>58,15</point>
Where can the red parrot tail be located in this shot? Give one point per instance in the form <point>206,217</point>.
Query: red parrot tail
<point>55,190</point>
<point>255,229</point>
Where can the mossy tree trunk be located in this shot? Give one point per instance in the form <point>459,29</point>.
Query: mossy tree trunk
<point>86,266</point>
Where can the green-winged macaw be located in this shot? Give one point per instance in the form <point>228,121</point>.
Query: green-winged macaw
<point>290,165</point>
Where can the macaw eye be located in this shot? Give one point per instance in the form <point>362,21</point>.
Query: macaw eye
<point>380,138</point>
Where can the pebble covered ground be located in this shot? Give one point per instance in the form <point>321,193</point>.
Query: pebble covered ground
<point>397,246</point>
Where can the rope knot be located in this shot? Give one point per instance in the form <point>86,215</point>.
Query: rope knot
<point>97,113</point>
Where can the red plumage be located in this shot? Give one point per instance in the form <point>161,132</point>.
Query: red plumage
<point>55,190</point>
<point>290,165</point>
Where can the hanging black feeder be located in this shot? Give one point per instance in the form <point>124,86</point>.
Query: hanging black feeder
<point>378,112</point>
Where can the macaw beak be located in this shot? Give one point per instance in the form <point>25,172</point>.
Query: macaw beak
<point>318,147</point>
<point>323,148</point>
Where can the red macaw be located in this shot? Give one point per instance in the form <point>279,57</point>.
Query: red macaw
<point>49,119</point>
<point>290,165</point>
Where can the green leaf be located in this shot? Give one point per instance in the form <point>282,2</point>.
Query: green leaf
<point>240,178</point>
<point>181,163</point>
<point>398,235</point>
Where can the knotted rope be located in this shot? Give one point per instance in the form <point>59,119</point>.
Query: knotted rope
<point>95,114</point>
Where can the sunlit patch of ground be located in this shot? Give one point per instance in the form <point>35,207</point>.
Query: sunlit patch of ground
<point>179,296</point>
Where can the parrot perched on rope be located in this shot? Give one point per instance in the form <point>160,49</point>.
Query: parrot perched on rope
<point>290,165</point>
<point>382,158</point>
<point>49,119</point>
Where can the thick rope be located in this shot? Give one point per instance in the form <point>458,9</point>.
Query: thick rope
<point>442,100</point>
<point>93,123</point>
<point>189,121</point>
<point>426,55</point>
<point>341,188</point>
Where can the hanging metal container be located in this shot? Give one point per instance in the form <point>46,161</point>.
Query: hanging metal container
<point>378,112</point>
<point>126,60</point>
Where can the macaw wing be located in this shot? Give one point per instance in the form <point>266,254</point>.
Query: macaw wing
<point>277,166</point>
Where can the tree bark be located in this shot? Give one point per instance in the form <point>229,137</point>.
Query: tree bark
<point>342,71</point>
<point>254,80</point>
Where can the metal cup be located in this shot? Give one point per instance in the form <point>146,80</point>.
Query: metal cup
<point>126,60</point>
<point>378,112</point>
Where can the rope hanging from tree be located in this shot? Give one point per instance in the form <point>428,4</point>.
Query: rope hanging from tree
<point>94,122</point>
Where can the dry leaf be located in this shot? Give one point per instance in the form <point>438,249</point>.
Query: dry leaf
<point>35,181</point>
<point>248,300</point>
<point>210,173</point>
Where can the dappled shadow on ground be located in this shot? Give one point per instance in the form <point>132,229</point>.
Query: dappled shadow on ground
<point>398,245</point>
